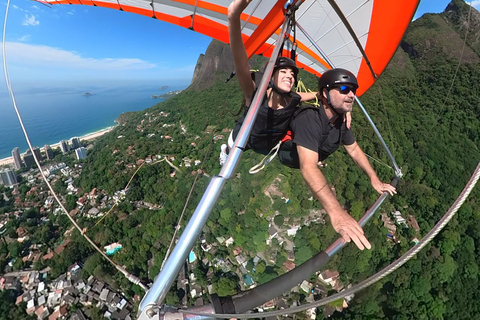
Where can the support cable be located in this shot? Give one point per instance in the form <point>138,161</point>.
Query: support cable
<point>398,171</point>
<point>155,296</point>
<point>129,276</point>
<point>187,201</point>
<point>376,277</point>
<point>461,55</point>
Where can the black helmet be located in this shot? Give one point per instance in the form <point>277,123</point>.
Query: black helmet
<point>284,62</point>
<point>333,77</point>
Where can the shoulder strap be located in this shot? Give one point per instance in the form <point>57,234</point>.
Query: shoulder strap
<point>302,108</point>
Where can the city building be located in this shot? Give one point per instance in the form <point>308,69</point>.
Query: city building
<point>64,146</point>
<point>48,152</point>
<point>8,177</point>
<point>17,161</point>
<point>81,153</point>
<point>37,153</point>
<point>28,159</point>
<point>75,143</point>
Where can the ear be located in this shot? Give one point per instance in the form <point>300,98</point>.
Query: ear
<point>325,93</point>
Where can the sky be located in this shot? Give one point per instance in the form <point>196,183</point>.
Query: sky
<point>59,45</point>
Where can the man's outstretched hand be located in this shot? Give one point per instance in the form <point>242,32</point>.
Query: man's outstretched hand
<point>383,187</point>
<point>349,229</point>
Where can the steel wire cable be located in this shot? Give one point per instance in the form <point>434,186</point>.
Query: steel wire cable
<point>187,201</point>
<point>129,276</point>
<point>376,277</point>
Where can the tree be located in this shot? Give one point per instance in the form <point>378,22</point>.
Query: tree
<point>279,220</point>
<point>8,309</point>
<point>225,286</point>
<point>70,202</point>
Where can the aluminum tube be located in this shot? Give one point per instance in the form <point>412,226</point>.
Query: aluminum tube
<point>398,171</point>
<point>339,243</point>
<point>242,137</point>
<point>165,278</point>
<point>244,301</point>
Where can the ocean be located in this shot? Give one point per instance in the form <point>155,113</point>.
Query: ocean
<point>54,114</point>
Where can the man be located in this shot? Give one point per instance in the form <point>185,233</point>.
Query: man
<point>318,132</point>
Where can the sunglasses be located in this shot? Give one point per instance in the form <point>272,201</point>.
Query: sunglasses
<point>346,89</point>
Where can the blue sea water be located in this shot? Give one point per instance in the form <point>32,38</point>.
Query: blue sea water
<point>54,114</point>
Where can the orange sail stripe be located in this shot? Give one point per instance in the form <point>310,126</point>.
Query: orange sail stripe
<point>269,25</point>
<point>211,29</point>
<point>312,54</point>
<point>204,5</point>
<point>382,41</point>
<point>87,2</point>
<point>109,5</point>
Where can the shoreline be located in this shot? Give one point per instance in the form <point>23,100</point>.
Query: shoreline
<point>88,136</point>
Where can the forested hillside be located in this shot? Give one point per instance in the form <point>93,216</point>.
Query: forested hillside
<point>427,106</point>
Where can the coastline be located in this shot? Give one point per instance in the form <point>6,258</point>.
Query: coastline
<point>88,136</point>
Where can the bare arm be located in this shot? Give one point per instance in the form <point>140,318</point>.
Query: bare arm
<point>342,222</point>
<point>348,119</point>
<point>307,95</point>
<point>357,154</point>
<point>240,58</point>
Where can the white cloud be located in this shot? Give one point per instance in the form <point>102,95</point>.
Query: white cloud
<point>24,38</point>
<point>30,20</point>
<point>44,56</point>
<point>17,7</point>
<point>475,4</point>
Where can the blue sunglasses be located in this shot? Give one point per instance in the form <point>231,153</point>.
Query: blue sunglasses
<point>346,89</point>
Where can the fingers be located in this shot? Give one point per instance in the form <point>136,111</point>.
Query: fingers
<point>385,187</point>
<point>349,229</point>
<point>357,236</point>
<point>353,231</point>
<point>361,241</point>
<point>389,188</point>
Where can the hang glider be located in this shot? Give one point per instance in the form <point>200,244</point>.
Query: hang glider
<point>357,35</point>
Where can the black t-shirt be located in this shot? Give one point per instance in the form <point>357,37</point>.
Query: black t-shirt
<point>312,130</point>
<point>270,125</point>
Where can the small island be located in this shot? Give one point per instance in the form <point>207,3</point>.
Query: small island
<point>166,95</point>
<point>87,94</point>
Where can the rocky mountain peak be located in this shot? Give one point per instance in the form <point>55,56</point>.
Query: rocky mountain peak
<point>215,64</point>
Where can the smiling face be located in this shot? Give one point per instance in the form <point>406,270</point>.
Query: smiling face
<point>341,98</point>
<point>284,79</point>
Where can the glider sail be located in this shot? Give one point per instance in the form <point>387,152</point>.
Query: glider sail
<point>357,35</point>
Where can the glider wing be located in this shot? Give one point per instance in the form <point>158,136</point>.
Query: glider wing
<point>358,35</point>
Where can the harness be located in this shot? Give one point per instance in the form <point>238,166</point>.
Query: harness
<point>270,125</point>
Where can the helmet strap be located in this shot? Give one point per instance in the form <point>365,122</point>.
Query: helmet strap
<point>284,95</point>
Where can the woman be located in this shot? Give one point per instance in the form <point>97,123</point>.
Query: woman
<point>279,102</point>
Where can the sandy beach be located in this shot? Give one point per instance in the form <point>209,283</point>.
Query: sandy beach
<point>90,136</point>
